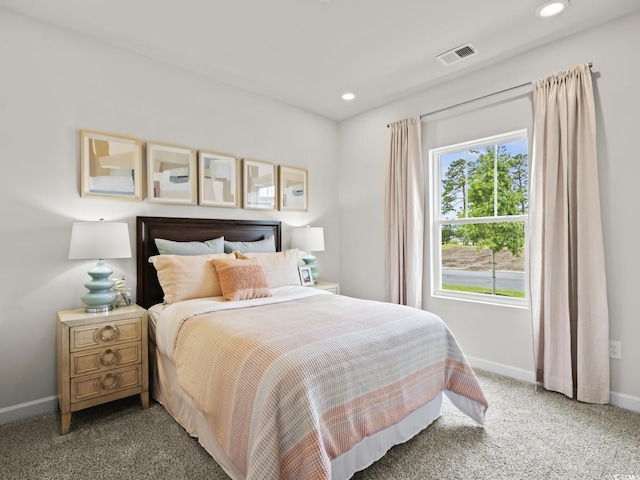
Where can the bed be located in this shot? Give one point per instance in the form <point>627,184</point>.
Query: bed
<point>280,384</point>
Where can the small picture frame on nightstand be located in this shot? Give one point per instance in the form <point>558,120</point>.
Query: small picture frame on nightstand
<point>306,280</point>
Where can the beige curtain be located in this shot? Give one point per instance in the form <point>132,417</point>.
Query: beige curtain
<point>568,286</point>
<point>404,214</point>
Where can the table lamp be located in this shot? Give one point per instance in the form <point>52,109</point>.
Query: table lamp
<point>99,240</point>
<point>309,239</point>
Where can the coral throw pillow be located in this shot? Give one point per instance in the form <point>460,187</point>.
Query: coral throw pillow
<point>242,279</point>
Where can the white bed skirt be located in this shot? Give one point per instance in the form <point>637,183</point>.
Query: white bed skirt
<point>167,391</point>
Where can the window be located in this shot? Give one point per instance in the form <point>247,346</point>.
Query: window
<point>479,217</point>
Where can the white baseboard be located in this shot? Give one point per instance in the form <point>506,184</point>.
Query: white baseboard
<point>621,400</point>
<point>28,409</point>
<point>502,369</point>
<point>624,401</point>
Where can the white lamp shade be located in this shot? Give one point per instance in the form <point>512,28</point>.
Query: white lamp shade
<point>99,240</point>
<point>308,239</point>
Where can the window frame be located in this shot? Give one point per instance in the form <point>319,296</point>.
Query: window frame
<point>436,223</point>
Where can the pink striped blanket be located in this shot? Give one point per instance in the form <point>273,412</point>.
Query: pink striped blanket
<point>287,387</point>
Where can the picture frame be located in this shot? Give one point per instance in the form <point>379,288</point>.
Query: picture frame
<point>218,180</point>
<point>258,185</point>
<point>110,166</point>
<point>306,279</point>
<point>171,174</point>
<point>293,192</point>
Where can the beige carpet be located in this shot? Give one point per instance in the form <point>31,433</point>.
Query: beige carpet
<point>529,435</point>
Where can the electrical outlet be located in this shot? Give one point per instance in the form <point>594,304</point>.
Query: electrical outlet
<point>615,349</point>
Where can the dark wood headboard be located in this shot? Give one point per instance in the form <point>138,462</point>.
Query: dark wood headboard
<point>148,290</point>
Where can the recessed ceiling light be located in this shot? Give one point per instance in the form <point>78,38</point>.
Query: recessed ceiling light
<point>549,9</point>
<point>348,96</point>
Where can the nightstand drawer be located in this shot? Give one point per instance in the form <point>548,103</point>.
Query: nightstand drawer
<point>84,388</point>
<point>92,361</point>
<point>103,334</point>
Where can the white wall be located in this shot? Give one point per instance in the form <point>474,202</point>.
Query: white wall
<point>52,84</point>
<point>499,338</point>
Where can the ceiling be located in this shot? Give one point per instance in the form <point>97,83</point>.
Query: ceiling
<point>306,53</point>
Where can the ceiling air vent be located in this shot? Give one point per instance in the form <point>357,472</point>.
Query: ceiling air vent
<point>457,54</point>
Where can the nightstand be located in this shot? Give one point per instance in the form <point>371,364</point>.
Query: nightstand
<point>328,286</point>
<point>101,357</point>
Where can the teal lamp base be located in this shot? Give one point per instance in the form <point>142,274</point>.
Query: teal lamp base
<point>100,297</point>
<point>310,261</point>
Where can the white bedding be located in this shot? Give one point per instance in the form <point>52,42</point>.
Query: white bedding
<point>171,317</point>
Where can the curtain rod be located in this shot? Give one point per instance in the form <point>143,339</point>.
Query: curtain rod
<point>479,98</point>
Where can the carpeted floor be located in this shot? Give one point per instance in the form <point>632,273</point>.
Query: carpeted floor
<point>529,435</point>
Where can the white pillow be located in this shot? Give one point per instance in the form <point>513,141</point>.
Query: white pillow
<point>281,268</point>
<point>183,277</point>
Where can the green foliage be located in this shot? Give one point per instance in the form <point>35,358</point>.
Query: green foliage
<point>465,288</point>
<point>495,236</point>
<point>454,187</point>
<point>450,233</point>
<point>519,170</point>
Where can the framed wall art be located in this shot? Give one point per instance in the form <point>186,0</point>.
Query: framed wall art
<point>218,180</point>
<point>110,166</point>
<point>293,188</point>
<point>171,174</point>
<point>258,185</point>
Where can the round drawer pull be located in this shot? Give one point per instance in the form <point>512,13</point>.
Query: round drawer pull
<point>108,333</point>
<point>109,357</point>
<point>109,381</point>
